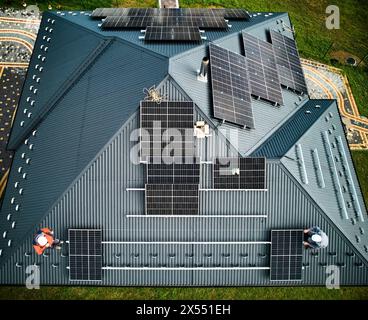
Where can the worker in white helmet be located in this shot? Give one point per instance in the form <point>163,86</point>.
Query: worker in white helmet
<point>44,239</point>
<point>315,238</point>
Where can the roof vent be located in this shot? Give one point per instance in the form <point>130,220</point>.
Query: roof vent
<point>4,234</point>
<point>13,225</point>
<point>235,171</point>
<point>203,72</point>
<point>9,243</point>
<point>201,130</point>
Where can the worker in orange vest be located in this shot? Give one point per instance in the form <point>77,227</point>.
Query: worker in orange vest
<point>44,239</point>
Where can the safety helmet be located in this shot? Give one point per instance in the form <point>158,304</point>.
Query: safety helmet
<point>42,241</point>
<point>316,238</point>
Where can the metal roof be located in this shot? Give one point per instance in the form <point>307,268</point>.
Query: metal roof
<point>80,169</point>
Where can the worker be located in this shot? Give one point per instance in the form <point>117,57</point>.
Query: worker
<point>44,239</point>
<point>315,238</point>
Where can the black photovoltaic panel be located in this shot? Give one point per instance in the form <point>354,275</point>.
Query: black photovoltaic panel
<point>286,255</point>
<point>139,22</point>
<point>183,34</point>
<point>288,62</point>
<point>240,173</point>
<point>172,199</point>
<point>191,21</point>
<point>166,123</point>
<point>263,76</point>
<point>100,13</point>
<point>185,171</point>
<point>235,14</point>
<point>116,22</point>
<point>230,87</point>
<point>85,254</point>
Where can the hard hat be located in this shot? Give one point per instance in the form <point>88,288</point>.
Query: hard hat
<point>42,241</point>
<point>316,238</point>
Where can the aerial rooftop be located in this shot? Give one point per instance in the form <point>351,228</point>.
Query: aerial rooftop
<point>254,161</point>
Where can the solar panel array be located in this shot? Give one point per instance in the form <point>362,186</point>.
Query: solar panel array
<point>286,255</point>
<point>288,62</point>
<point>185,171</point>
<point>230,87</point>
<point>167,145</point>
<point>139,22</point>
<point>263,75</point>
<point>183,34</point>
<point>172,199</point>
<point>240,173</point>
<point>167,122</point>
<point>85,254</point>
<point>235,14</point>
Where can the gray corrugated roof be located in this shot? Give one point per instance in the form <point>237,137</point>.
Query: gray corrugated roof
<point>348,214</point>
<point>71,135</point>
<point>80,171</point>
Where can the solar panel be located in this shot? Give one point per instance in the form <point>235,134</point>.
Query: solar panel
<point>116,22</point>
<point>183,34</point>
<point>230,87</point>
<point>191,21</point>
<point>240,173</point>
<point>286,255</point>
<point>235,14</point>
<point>139,22</point>
<point>85,254</point>
<point>167,129</point>
<point>263,76</point>
<point>172,199</point>
<point>288,62</point>
<point>100,13</point>
<point>185,171</point>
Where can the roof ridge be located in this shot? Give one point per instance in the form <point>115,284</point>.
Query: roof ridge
<point>69,83</point>
<point>272,147</point>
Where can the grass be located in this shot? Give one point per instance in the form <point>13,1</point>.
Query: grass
<point>315,41</point>
<point>236,293</point>
<point>360,159</point>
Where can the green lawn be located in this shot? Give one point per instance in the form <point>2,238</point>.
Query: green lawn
<point>236,293</point>
<point>314,41</point>
<point>361,164</point>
